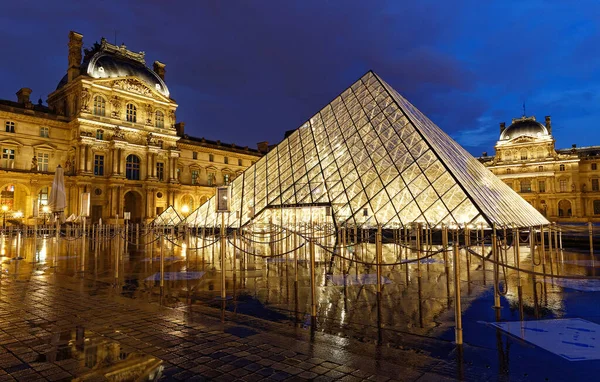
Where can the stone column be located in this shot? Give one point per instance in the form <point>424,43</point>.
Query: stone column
<point>148,165</point>
<point>154,155</point>
<point>81,166</point>
<point>115,161</point>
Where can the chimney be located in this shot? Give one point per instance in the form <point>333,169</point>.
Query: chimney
<point>263,147</point>
<point>23,96</point>
<point>159,68</point>
<point>502,127</point>
<point>574,146</point>
<point>549,124</point>
<point>484,154</point>
<point>179,127</point>
<point>75,44</point>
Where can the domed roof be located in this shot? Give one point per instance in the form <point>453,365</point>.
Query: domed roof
<point>526,126</point>
<point>110,61</point>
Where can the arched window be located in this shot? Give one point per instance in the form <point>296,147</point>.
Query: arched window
<point>99,106</point>
<point>523,154</point>
<point>132,167</point>
<point>159,120</point>
<point>131,113</point>
<point>508,171</point>
<point>562,167</point>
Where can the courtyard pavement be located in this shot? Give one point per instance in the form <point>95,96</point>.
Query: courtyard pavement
<point>58,328</point>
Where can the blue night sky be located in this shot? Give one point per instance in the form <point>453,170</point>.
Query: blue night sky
<point>247,71</point>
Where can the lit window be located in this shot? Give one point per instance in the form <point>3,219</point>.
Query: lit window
<point>194,155</point>
<point>523,154</point>
<point>595,185</point>
<point>8,158</point>
<point>594,166</point>
<point>99,165</point>
<point>239,162</point>
<point>132,167</point>
<point>159,120</point>
<point>525,186</point>
<point>42,161</point>
<point>563,185</point>
<point>561,167</point>
<point>99,106</point>
<point>195,176</point>
<point>542,186</point>
<point>131,113</point>
<point>211,158</point>
<point>225,179</point>
<point>44,132</point>
<point>100,134</point>
<point>160,171</point>
<point>211,179</point>
<point>10,127</point>
<point>43,197</point>
<point>226,160</point>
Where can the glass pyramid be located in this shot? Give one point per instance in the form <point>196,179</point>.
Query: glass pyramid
<point>168,217</point>
<point>371,158</point>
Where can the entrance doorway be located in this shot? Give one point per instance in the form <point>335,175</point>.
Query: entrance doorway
<point>133,204</point>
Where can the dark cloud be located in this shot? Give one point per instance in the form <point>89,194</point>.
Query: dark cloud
<point>248,71</point>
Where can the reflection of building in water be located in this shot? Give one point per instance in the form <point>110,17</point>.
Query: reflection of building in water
<point>563,184</point>
<point>370,158</point>
<point>111,125</point>
<point>108,361</point>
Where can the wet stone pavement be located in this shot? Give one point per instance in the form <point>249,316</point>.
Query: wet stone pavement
<point>59,328</point>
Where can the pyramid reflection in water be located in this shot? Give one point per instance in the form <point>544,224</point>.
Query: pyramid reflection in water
<point>373,159</point>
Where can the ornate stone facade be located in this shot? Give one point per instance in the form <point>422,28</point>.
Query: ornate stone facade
<point>111,125</point>
<point>562,184</point>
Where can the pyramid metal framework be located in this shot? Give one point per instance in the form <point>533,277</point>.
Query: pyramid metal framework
<point>375,160</point>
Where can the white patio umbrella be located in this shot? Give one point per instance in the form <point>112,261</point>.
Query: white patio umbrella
<point>58,199</point>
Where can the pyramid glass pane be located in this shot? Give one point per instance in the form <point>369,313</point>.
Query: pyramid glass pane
<point>375,159</point>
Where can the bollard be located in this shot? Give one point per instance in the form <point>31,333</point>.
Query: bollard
<point>378,254</point>
<point>223,263</point>
<point>543,246</point>
<point>496,268</point>
<point>560,236</point>
<point>162,263</point>
<point>458,334</point>
<point>591,232</point>
<point>313,297</point>
<point>418,240</point>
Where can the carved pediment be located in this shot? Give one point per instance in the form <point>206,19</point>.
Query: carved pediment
<point>133,85</point>
<point>523,139</point>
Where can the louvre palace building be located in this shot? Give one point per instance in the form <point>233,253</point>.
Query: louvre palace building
<point>563,184</point>
<point>111,125</point>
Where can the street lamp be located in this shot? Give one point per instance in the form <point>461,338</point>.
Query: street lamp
<point>185,209</point>
<point>4,210</point>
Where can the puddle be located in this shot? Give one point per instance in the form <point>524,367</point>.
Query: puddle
<point>173,276</point>
<point>574,339</point>
<point>360,279</point>
<point>100,357</point>
<point>580,285</point>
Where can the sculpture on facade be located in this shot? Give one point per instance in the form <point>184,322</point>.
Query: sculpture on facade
<point>116,107</point>
<point>119,134</point>
<point>34,163</point>
<point>149,111</point>
<point>85,99</point>
<point>68,168</point>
